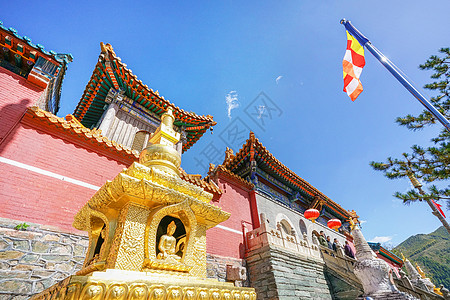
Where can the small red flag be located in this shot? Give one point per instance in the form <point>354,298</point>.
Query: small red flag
<point>438,207</point>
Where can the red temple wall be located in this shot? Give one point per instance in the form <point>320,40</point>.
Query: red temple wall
<point>29,195</point>
<point>221,240</point>
<point>16,94</point>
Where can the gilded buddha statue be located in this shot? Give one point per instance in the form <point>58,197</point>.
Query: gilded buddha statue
<point>167,244</point>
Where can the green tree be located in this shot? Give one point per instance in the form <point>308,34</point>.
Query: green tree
<point>428,164</point>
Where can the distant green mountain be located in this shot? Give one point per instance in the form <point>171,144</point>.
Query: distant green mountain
<point>432,253</point>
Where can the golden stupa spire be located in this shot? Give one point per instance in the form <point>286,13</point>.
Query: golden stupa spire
<point>165,134</point>
<point>161,154</point>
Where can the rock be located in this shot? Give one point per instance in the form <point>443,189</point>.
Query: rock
<point>13,262</point>
<point>79,250</point>
<point>21,245</point>
<point>16,286</point>
<point>61,249</point>
<point>64,267</point>
<point>4,266</point>
<point>59,276</point>
<point>24,267</point>
<point>3,245</point>
<point>79,259</point>
<point>84,242</point>
<point>20,297</point>
<point>39,247</point>
<point>55,257</point>
<point>51,238</point>
<point>11,254</point>
<point>30,258</point>
<point>50,266</point>
<point>14,274</point>
<point>19,234</point>
<point>42,274</point>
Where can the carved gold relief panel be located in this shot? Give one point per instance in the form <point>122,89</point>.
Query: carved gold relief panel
<point>130,254</point>
<point>93,291</point>
<point>141,291</point>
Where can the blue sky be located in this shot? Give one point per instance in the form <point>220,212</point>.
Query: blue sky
<point>199,52</point>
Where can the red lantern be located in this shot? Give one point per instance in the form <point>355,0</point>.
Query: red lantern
<point>312,214</point>
<point>334,224</point>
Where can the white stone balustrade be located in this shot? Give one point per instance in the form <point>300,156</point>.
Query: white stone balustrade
<point>266,235</point>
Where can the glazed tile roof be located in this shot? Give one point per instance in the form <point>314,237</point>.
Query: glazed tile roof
<point>71,126</point>
<point>111,72</point>
<point>221,170</point>
<point>197,180</point>
<point>25,50</point>
<point>386,253</point>
<point>31,61</point>
<point>253,149</point>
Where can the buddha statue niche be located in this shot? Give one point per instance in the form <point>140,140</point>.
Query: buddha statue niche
<point>167,244</point>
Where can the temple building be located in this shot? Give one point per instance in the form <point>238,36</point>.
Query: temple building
<point>64,176</point>
<point>127,111</point>
<point>275,228</point>
<point>395,262</point>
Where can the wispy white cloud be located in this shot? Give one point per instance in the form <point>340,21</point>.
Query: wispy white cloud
<point>362,221</point>
<point>278,79</point>
<point>232,102</point>
<point>381,239</point>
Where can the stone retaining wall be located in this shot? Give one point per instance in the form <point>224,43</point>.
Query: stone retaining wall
<point>35,259</point>
<point>216,267</point>
<point>32,260</point>
<point>277,273</point>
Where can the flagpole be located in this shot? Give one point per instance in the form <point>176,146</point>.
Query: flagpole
<point>394,71</point>
<point>417,185</point>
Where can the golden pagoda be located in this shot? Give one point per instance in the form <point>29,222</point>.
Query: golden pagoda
<point>147,234</point>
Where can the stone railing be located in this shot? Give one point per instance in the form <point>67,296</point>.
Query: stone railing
<point>266,235</point>
<point>339,262</point>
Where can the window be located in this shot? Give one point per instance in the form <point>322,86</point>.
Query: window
<point>140,140</point>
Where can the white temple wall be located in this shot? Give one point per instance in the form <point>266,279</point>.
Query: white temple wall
<point>275,212</point>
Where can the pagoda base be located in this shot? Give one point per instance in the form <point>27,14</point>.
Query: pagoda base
<point>123,285</point>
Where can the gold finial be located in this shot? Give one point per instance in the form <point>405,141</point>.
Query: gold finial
<point>403,257</point>
<point>162,154</point>
<point>165,134</point>
<point>421,272</point>
<point>438,290</point>
<point>352,223</point>
<point>167,117</point>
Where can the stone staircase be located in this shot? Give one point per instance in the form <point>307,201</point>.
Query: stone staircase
<point>339,272</point>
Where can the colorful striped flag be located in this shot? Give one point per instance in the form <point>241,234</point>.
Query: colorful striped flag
<point>353,63</point>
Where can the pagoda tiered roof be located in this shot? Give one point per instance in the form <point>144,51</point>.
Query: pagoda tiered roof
<point>254,150</point>
<point>111,72</point>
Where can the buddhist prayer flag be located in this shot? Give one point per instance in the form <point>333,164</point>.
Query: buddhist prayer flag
<point>353,64</point>
<point>438,207</point>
